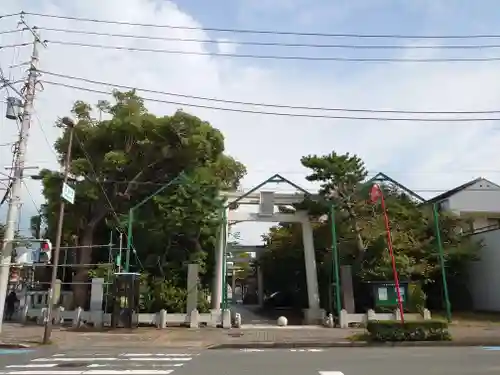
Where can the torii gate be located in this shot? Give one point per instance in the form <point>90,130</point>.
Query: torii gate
<point>267,200</point>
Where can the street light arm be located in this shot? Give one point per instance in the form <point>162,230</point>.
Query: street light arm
<point>130,219</point>
<point>149,197</point>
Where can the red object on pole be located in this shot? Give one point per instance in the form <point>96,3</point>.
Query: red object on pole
<point>376,195</point>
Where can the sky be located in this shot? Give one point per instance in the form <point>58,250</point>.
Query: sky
<point>428,157</point>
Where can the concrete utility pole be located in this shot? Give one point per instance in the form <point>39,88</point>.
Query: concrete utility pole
<point>55,262</point>
<point>15,199</point>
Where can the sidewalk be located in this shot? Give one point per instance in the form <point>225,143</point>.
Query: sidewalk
<point>217,338</point>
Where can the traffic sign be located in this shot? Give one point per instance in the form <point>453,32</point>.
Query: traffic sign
<point>68,193</point>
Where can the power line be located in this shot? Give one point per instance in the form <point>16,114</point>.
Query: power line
<point>253,104</point>
<point>3,32</point>
<point>103,190</point>
<point>266,44</point>
<point>6,46</point>
<point>44,134</point>
<point>283,114</point>
<point>10,15</point>
<point>278,57</point>
<point>270,32</point>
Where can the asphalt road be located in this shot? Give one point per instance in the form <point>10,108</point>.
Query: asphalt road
<point>337,361</point>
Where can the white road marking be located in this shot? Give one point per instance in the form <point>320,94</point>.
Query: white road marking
<point>123,364</point>
<point>331,373</point>
<point>37,365</point>
<point>307,350</point>
<point>252,350</point>
<point>156,354</point>
<point>89,372</point>
<point>94,365</point>
<point>109,359</point>
<point>182,359</point>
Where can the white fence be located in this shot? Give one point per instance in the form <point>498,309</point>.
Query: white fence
<point>99,319</point>
<point>34,308</point>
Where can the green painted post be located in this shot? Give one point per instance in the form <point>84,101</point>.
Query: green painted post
<point>442,261</point>
<point>335,259</point>
<point>130,219</point>
<point>129,238</point>
<point>224,260</point>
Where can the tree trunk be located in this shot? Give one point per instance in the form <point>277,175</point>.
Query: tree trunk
<point>81,278</point>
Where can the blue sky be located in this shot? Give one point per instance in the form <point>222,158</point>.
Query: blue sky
<point>424,156</point>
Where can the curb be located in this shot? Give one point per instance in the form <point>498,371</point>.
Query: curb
<point>351,344</point>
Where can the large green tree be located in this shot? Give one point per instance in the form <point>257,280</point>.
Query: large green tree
<point>361,232</point>
<point>122,159</point>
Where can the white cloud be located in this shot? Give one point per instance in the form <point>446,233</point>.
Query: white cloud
<point>226,46</point>
<point>427,155</point>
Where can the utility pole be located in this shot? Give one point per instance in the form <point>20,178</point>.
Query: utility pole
<point>55,263</point>
<point>20,158</point>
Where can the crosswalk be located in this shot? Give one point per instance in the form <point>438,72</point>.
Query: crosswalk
<point>104,364</point>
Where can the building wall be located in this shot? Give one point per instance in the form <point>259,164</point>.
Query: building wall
<point>484,276</point>
<point>483,196</point>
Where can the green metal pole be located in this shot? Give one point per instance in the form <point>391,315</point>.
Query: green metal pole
<point>129,239</point>
<point>224,263</point>
<point>442,261</point>
<point>131,216</point>
<point>335,259</point>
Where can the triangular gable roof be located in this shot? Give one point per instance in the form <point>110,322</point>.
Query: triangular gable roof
<point>458,189</point>
<point>382,177</point>
<point>276,178</point>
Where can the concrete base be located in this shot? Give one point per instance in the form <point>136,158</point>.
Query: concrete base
<point>314,316</point>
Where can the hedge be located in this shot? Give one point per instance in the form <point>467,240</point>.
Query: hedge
<point>394,330</point>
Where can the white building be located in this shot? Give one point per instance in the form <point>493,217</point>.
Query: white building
<point>479,201</point>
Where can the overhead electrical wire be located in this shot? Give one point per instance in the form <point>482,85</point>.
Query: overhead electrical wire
<point>6,46</point>
<point>265,44</point>
<point>105,194</point>
<point>284,114</point>
<point>3,32</point>
<point>10,15</point>
<point>270,32</point>
<point>268,105</point>
<point>278,57</point>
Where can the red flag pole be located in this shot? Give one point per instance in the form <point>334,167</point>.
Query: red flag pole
<point>391,252</point>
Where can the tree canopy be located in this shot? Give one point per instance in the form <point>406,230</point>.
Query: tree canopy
<point>122,159</point>
<point>361,232</point>
<point>120,162</point>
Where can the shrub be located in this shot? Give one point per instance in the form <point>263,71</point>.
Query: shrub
<point>416,298</point>
<point>161,294</point>
<point>393,330</point>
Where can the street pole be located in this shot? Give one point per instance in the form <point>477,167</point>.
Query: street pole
<point>48,322</point>
<point>15,200</point>
<point>442,261</point>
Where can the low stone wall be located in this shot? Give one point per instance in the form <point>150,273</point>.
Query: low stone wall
<point>162,319</point>
<point>346,319</point>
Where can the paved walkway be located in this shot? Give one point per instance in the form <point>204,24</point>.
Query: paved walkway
<point>250,316</point>
<point>209,337</point>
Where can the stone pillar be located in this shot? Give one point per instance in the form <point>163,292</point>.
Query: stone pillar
<point>313,314</point>
<point>233,287</point>
<point>347,289</point>
<point>192,288</point>
<point>216,297</point>
<point>219,278</point>
<point>96,294</point>
<point>260,286</point>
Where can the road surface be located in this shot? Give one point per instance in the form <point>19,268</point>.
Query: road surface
<point>337,361</point>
